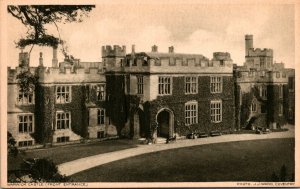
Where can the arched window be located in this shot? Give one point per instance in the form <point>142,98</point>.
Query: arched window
<point>263,92</point>
<point>63,120</point>
<point>253,107</point>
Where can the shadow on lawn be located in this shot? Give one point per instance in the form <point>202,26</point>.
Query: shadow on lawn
<point>283,176</point>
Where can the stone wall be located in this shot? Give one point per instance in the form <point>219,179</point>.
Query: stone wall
<point>176,103</point>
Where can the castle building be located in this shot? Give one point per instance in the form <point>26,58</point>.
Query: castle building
<point>264,90</point>
<point>165,94</point>
<point>147,95</point>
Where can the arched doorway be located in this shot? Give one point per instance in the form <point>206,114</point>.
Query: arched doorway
<point>139,126</point>
<point>165,123</point>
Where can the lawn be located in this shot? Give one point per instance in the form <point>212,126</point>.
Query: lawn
<point>61,154</point>
<point>233,161</point>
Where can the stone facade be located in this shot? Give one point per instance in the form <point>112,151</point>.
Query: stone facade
<point>147,94</point>
<point>261,86</point>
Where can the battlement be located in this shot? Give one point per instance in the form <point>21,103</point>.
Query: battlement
<point>153,62</point>
<point>278,66</point>
<point>20,69</point>
<point>261,76</point>
<point>12,73</point>
<point>69,70</point>
<point>115,51</point>
<point>70,75</point>
<point>67,74</point>
<point>260,52</point>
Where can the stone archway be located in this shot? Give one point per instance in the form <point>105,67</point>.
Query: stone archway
<point>139,125</point>
<point>165,123</point>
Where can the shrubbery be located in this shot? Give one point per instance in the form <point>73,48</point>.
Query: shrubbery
<point>32,169</point>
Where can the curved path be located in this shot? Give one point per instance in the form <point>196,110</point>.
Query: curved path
<point>72,167</point>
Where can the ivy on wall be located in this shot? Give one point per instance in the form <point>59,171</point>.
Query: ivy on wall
<point>27,81</point>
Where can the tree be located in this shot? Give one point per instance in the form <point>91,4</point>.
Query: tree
<point>27,81</point>
<point>36,17</point>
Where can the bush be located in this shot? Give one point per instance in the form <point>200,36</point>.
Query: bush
<point>43,170</point>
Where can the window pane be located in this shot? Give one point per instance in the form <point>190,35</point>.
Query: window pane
<point>30,127</point>
<point>67,124</point>
<point>62,125</point>
<point>20,127</point>
<point>58,125</point>
<point>25,127</point>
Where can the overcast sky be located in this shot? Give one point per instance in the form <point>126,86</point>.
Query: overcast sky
<point>190,28</point>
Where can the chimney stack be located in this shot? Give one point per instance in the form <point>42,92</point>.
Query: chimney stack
<point>154,48</point>
<point>54,58</point>
<point>171,49</point>
<point>41,62</point>
<point>133,48</point>
<point>23,59</point>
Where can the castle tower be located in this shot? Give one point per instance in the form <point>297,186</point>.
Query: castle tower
<point>113,57</point>
<point>248,44</point>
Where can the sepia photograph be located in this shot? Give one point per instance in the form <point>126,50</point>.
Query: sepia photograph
<point>148,94</point>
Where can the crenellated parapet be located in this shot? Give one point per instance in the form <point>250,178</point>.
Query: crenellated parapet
<point>261,76</point>
<point>13,73</point>
<point>54,75</point>
<point>260,52</point>
<point>115,51</point>
<point>154,62</point>
<point>70,75</point>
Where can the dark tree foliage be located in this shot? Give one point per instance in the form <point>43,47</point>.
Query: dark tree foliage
<point>43,170</point>
<point>27,81</point>
<point>36,17</point>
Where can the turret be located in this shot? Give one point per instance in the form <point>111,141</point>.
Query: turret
<point>221,56</point>
<point>248,44</point>
<point>221,59</point>
<point>113,57</point>
<point>116,51</point>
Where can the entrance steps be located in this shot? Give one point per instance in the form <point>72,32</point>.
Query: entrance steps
<point>161,140</point>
